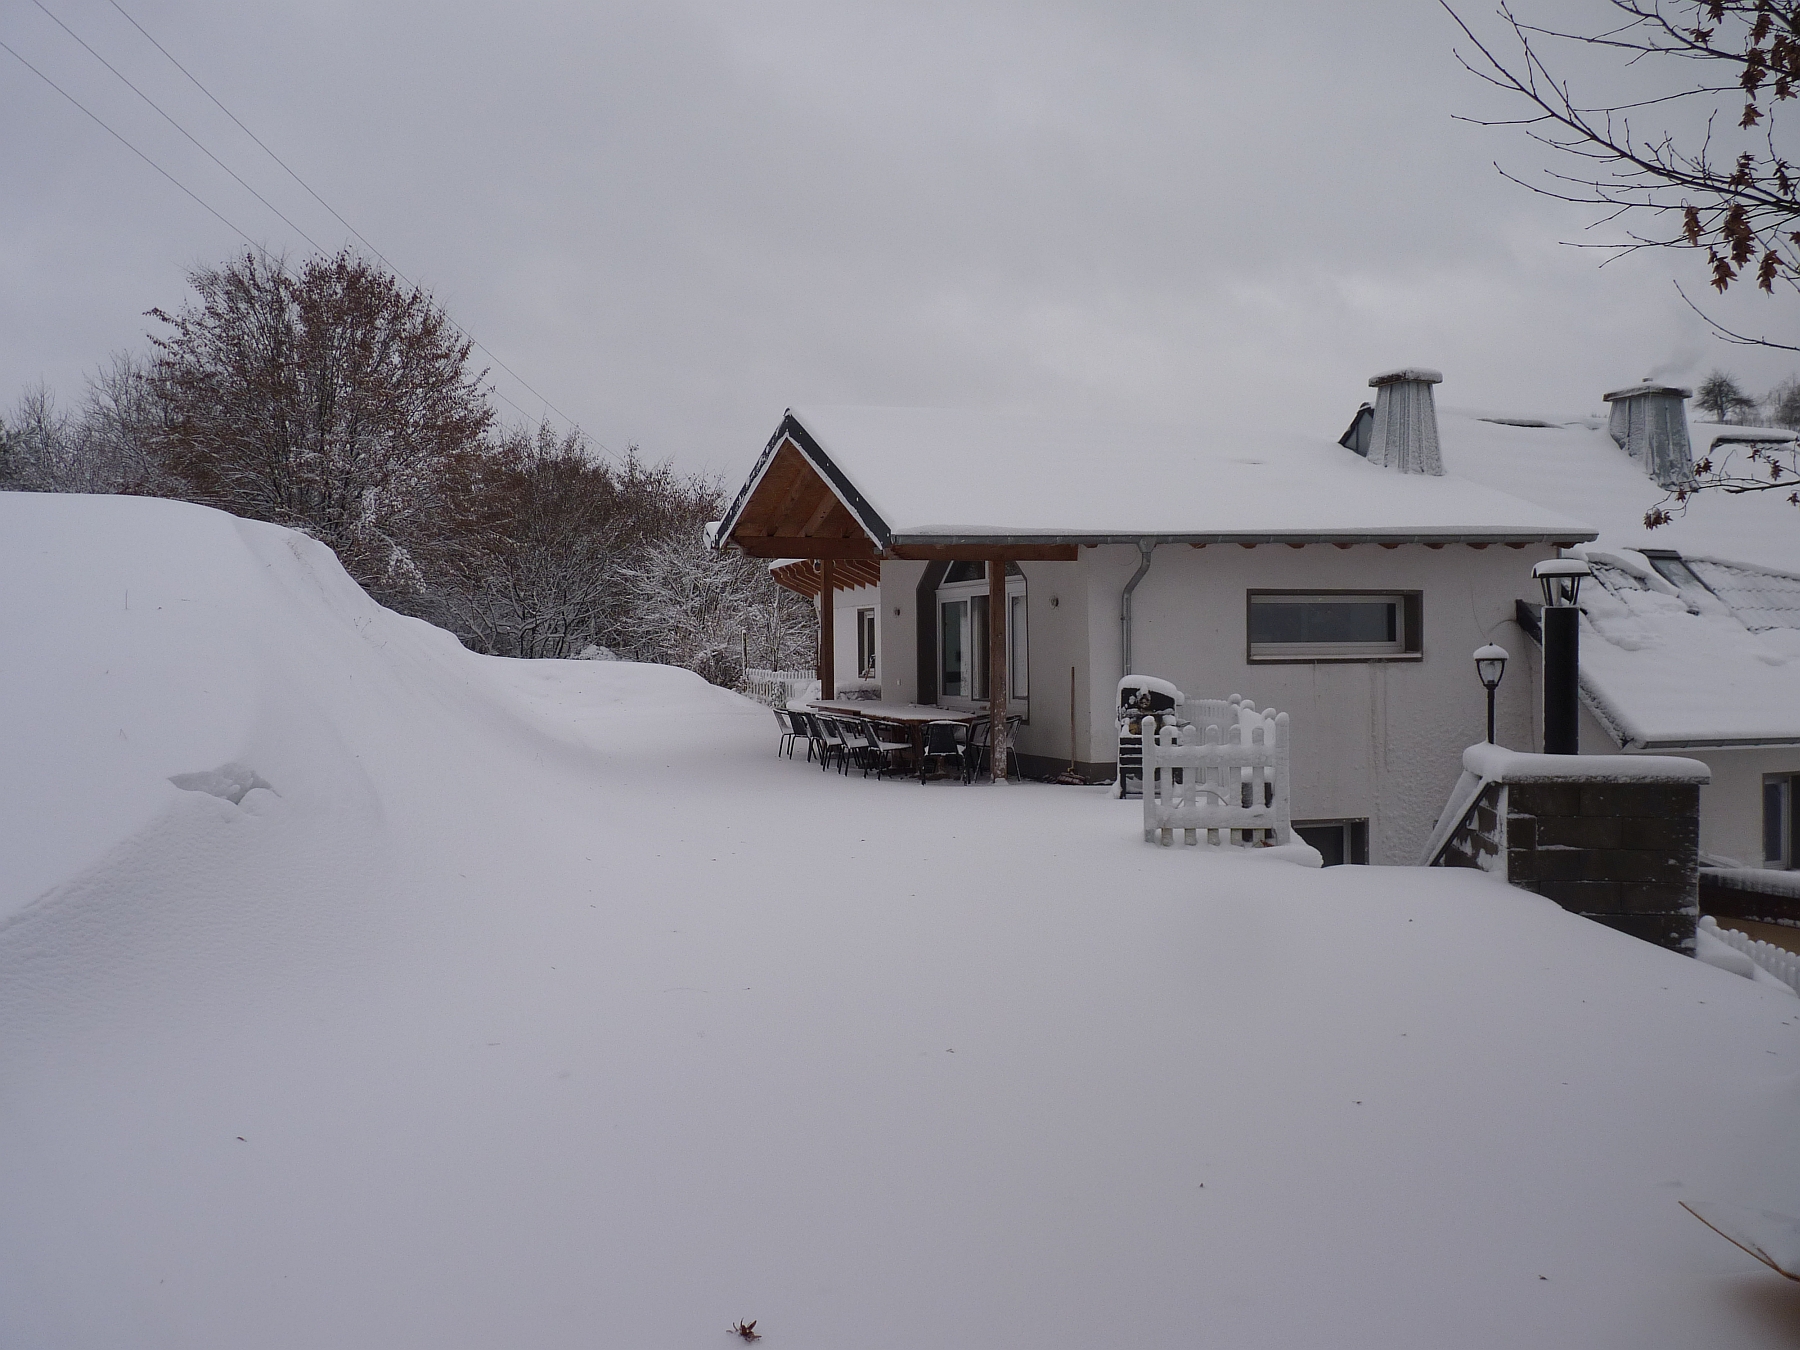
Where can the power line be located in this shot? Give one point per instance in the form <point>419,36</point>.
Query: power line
<point>172,122</point>
<point>139,153</point>
<point>206,206</point>
<point>195,80</point>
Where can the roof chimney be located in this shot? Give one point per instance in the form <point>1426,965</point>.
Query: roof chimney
<point>1405,434</point>
<point>1649,421</point>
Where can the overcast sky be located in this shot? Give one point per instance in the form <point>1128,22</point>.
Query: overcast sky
<point>674,221</point>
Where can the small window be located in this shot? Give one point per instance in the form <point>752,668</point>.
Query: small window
<point>865,644</point>
<point>1778,820</point>
<point>1333,626</point>
<point>1338,841</point>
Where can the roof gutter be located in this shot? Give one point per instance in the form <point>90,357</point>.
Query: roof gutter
<point>1563,538</point>
<point>1146,547</point>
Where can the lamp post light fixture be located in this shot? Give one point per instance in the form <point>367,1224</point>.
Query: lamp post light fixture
<point>1560,579</point>
<point>1490,666</point>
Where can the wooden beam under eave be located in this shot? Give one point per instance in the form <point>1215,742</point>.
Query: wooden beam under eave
<point>984,552</point>
<point>805,548</point>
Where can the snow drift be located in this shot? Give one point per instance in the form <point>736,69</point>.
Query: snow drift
<point>359,991</point>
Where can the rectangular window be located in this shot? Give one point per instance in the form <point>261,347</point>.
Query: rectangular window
<point>1333,625</point>
<point>955,615</point>
<point>978,644</point>
<point>865,644</point>
<point>1015,646</point>
<point>1338,841</point>
<point>1778,820</point>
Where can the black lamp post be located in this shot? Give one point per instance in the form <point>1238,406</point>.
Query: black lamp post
<point>1560,579</point>
<point>1490,666</point>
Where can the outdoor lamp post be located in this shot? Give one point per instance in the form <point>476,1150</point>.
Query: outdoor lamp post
<point>1490,666</point>
<point>1560,579</point>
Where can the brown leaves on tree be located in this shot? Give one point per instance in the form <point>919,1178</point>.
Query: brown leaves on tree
<point>1726,189</point>
<point>330,398</point>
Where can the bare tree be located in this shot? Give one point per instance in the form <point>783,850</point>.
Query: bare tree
<point>1721,395</point>
<point>688,605</point>
<point>36,442</point>
<point>1728,191</point>
<point>330,398</point>
<point>1784,404</point>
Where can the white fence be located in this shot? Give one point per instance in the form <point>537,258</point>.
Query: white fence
<point>776,687</point>
<point>1783,965</point>
<point>1222,769</point>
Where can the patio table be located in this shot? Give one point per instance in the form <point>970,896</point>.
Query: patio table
<point>911,716</point>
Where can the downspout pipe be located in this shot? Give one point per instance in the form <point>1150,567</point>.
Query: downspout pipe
<point>1145,549</point>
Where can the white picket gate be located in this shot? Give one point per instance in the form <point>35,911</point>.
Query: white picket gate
<point>1779,962</point>
<point>1225,773</point>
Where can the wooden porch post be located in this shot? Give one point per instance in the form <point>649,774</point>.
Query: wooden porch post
<point>999,681</point>
<point>827,632</point>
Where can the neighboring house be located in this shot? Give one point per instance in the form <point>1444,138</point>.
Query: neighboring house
<point>1346,591</point>
<point>1690,643</point>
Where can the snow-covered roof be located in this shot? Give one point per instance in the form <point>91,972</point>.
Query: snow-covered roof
<point>933,475</point>
<point>1701,652</point>
<point>1573,465</point>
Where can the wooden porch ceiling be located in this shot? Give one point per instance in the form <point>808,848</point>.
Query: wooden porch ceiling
<point>805,576</point>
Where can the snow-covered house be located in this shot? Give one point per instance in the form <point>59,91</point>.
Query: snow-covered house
<point>1345,582</point>
<point>1690,638</point>
<point>1343,588</point>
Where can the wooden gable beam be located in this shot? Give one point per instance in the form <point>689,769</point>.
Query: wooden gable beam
<point>791,547</point>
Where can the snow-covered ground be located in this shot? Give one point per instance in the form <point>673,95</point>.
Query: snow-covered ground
<point>539,1005</point>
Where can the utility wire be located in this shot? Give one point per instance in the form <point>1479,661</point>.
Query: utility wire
<point>139,153</point>
<point>200,201</point>
<point>195,81</point>
<point>172,122</point>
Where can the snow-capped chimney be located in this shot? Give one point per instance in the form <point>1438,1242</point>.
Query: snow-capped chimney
<point>1650,423</point>
<point>1405,434</point>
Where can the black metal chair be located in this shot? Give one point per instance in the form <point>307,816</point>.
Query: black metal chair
<point>858,748</point>
<point>883,754</point>
<point>831,742</point>
<point>981,749</point>
<point>945,740</point>
<point>808,726</point>
<point>789,732</point>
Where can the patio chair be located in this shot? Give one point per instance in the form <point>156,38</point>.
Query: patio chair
<point>945,740</point>
<point>884,754</point>
<point>858,749</point>
<point>831,741</point>
<point>981,751</point>
<point>790,730</point>
<point>808,726</point>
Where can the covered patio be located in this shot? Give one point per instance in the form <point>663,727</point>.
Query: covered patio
<point>798,510</point>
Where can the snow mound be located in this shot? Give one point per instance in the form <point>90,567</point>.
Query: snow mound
<point>540,1003</point>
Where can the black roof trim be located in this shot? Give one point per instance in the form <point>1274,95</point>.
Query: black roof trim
<point>791,429</point>
<point>1260,537</point>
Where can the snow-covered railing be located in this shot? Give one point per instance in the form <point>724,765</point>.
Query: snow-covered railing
<point>1226,771</point>
<point>1782,964</point>
<point>777,687</point>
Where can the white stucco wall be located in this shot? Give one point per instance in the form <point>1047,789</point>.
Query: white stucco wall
<point>846,603</point>
<point>1374,740</point>
<point>1378,739</point>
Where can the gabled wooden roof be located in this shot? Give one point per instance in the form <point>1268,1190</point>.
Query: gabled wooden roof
<point>796,504</point>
